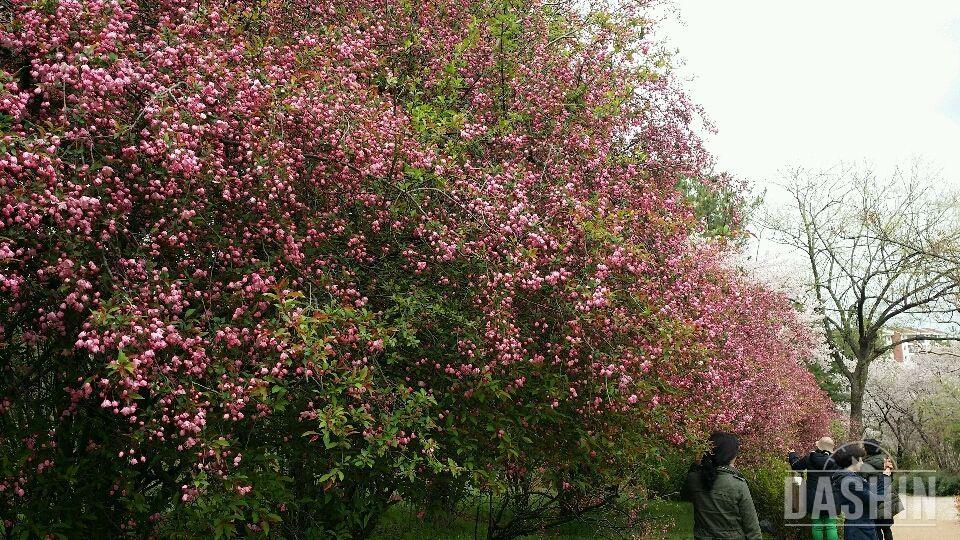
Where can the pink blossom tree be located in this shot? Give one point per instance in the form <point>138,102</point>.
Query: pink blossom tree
<point>276,267</point>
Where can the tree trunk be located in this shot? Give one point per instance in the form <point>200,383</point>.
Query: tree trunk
<point>858,384</point>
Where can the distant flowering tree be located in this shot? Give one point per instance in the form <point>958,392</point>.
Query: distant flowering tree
<point>913,405</point>
<point>274,267</point>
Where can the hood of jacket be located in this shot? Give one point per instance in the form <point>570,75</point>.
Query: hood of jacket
<point>873,463</point>
<point>722,470</point>
<point>840,474</point>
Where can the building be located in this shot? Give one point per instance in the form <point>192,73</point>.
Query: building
<point>906,352</point>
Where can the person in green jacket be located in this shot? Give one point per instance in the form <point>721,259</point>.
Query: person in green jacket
<point>722,506</point>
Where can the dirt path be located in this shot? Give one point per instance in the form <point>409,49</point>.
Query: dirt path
<point>927,518</point>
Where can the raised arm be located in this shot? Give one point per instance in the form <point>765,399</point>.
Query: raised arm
<point>797,463</point>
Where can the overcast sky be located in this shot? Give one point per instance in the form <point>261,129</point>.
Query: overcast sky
<point>815,83</point>
<point>812,83</point>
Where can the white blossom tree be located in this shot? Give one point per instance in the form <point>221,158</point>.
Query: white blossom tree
<point>915,405</point>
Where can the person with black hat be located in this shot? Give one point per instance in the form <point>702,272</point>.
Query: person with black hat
<point>722,506</point>
<point>819,491</point>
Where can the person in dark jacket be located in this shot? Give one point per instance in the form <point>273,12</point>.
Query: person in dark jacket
<point>854,495</point>
<point>820,503</point>
<point>873,466</point>
<point>722,506</point>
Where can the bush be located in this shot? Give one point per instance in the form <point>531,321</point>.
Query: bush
<point>948,485</point>
<point>945,484</point>
<point>766,481</point>
<point>668,480</point>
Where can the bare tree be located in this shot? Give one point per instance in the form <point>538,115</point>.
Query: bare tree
<point>880,253</point>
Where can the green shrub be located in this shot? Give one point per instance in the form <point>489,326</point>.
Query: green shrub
<point>945,484</point>
<point>766,481</point>
<point>667,480</point>
<point>948,485</point>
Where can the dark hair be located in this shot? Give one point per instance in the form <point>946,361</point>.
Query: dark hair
<point>872,446</point>
<point>845,455</point>
<point>723,448</point>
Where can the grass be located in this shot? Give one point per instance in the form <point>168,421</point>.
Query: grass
<point>678,515</point>
<point>675,519</point>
